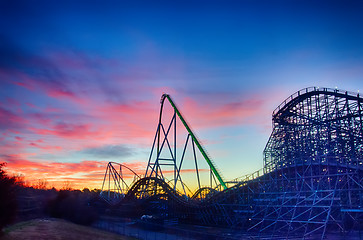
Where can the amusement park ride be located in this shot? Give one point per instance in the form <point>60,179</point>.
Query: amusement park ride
<point>311,184</point>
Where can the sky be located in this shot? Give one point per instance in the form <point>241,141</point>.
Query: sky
<point>81,81</point>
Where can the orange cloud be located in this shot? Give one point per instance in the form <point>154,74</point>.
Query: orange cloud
<point>82,174</point>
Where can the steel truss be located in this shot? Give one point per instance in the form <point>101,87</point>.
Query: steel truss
<point>165,144</point>
<point>115,182</point>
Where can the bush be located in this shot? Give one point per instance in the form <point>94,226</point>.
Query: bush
<point>7,198</point>
<point>72,206</point>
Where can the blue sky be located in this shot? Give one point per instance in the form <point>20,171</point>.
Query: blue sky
<point>83,78</point>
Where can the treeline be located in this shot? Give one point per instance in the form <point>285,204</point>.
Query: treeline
<point>19,202</point>
<point>76,206</point>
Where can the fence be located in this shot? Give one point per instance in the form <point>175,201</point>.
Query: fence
<point>151,231</point>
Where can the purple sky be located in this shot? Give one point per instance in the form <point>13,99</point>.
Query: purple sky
<point>81,80</point>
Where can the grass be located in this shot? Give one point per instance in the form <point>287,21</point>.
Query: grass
<point>44,229</point>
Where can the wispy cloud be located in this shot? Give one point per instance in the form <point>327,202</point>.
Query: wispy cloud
<point>109,151</point>
<point>11,120</point>
<point>212,114</point>
<point>67,130</point>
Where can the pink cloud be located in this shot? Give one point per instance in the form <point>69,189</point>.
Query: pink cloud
<point>136,121</point>
<point>129,123</point>
<point>31,105</point>
<point>25,84</point>
<point>45,147</point>
<point>10,120</point>
<point>61,94</point>
<point>53,110</point>
<point>39,118</point>
<point>54,88</point>
<point>69,130</point>
<point>219,115</point>
<point>19,138</point>
<point>12,102</point>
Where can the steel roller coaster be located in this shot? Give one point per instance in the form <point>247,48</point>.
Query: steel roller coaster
<point>311,184</point>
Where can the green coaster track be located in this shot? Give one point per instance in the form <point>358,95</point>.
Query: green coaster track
<point>201,149</point>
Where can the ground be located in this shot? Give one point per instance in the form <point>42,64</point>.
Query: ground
<point>44,229</point>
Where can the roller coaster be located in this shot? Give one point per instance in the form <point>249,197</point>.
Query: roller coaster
<point>311,184</point>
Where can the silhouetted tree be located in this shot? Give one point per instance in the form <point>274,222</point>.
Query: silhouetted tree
<point>20,180</point>
<point>7,198</point>
<point>67,186</point>
<point>41,184</point>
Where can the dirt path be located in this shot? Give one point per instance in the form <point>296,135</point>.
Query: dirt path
<point>44,229</point>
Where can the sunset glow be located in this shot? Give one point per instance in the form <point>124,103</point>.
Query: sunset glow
<point>81,82</point>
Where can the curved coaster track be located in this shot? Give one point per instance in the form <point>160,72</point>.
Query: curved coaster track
<point>311,184</point>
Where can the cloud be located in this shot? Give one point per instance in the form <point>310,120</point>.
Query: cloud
<point>33,71</point>
<point>214,114</point>
<point>109,151</point>
<point>45,147</point>
<point>18,138</point>
<point>67,130</point>
<point>11,120</point>
<point>52,83</point>
<point>84,174</point>
<point>18,162</point>
<point>73,108</point>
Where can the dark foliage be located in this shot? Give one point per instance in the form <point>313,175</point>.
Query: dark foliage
<point>32,202</point>
<point>72,206</point>
<point>7,198</point>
